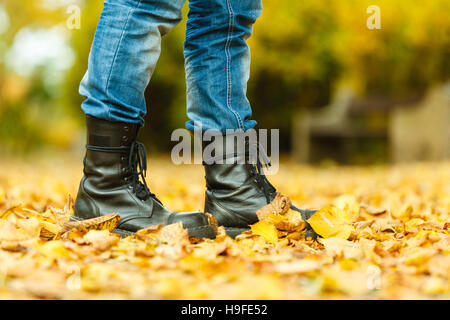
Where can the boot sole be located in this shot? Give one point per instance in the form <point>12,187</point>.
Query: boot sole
<point>234,232</point>
<point>198,232</point>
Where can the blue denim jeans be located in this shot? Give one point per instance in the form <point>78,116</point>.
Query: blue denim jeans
<point>127,45</point>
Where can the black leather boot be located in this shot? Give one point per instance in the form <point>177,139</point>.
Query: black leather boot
<point>234,192</point>
<point>114,182</point>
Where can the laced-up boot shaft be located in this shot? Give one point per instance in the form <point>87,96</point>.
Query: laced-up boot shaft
<point>114,181</point>
<point>236,186</point>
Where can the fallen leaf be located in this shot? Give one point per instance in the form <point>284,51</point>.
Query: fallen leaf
<point>101,240</point>
<point>331,222</point>
<point>107,222</point>
<point>347,203</point>
<point>279,205</point>
<point>418,256</point>
<point>53,249</point>
<point>298,266</point>
<point>413,224</point>
<point>176,236</point>
<point>341,247</point>
<point>266,230</point>
<point>373,210</point>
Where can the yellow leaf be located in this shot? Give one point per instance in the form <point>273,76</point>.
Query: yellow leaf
<point>413,224</point>
<point>2,195</point>
<point>434,286</point>
<point>340,247</point>
<point>294,221</point>
<point>331,222</point>
<point>48,230</point>
<point>266,230</point>
<point>24,229</point>
<point>419,256</point>
<point>426,233</point>
<point>348,264</point>
<point>54,250</point>
<point>294,236</point>
<point>347,203</point>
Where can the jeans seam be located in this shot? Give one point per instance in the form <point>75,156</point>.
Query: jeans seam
<point>228,63</point>
<point>115,55</point>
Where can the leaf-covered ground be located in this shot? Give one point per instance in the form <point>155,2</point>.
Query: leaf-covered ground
<point>385,236</point>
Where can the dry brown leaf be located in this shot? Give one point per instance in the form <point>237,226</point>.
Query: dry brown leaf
<point>279,205</point>
<point>149,230</point>
<point>176,236</point>
<point>373,210</point>
<point>101,240</point>
<point>212,221</point>
<point>107,222</point>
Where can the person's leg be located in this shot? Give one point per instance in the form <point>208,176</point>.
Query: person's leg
<point>217,60</point>
<point>124,53</point>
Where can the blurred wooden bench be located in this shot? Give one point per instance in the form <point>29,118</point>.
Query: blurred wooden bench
<point>381,129</point>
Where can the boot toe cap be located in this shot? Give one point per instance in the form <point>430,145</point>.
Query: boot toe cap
<point>196,223</point>
<point>189,219</point>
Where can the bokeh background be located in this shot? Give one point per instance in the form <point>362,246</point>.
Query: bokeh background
<point>336,89</point>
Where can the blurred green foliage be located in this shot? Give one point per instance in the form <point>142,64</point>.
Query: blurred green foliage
<point>303,51</point>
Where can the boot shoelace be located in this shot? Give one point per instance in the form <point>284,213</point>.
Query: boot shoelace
<point>259,175</point>
<point>255,155</point>
<point>137,164</point>
<point>262,180</point>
